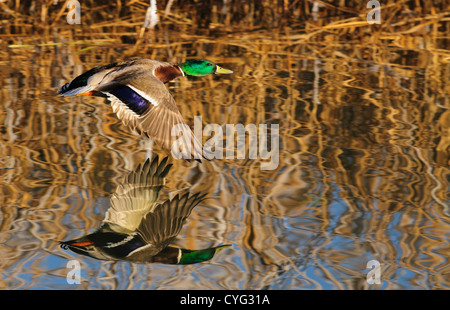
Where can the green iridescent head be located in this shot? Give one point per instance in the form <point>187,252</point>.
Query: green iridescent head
<point>201,67</point>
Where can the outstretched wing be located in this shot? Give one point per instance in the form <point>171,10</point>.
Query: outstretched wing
<point>145,105</point>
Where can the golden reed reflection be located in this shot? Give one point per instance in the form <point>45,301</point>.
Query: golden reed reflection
<point>364,141</point>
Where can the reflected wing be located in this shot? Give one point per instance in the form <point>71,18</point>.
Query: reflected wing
<point>138,194</point>
<point>167,219</point>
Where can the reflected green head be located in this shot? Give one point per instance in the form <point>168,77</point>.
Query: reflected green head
<point>201,67</point>
<point>198,256</point>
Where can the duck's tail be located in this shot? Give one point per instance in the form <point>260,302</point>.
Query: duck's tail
<point>85,83</point>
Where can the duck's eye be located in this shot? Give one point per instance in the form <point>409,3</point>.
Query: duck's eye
<point>209,64</point>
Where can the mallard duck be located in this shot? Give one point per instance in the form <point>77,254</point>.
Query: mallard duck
<point>138,229</point>
<point>141,101</point>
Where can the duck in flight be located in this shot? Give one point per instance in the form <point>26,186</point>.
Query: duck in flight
<point>142,102</point>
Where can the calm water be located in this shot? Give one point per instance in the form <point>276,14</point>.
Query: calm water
<point>363,168</point>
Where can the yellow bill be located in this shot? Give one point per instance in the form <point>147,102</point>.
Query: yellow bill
<point>220,70</point>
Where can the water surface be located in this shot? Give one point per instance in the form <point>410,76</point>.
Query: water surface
<point>363,168</point>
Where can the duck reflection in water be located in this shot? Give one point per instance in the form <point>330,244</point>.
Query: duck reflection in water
<point>138,229</point>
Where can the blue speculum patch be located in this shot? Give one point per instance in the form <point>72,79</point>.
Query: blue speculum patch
<point>132,99</point>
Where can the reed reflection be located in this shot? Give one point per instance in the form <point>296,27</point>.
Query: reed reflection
<point>137,228</point>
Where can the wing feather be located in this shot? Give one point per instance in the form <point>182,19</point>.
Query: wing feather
<point>167,219</point>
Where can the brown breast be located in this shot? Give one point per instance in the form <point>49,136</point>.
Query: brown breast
<point>167,73</point>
